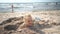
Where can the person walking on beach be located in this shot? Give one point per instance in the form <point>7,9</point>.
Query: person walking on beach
<point>12,8</point>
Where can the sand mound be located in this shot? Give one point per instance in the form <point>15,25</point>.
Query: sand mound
<point>11,25</point>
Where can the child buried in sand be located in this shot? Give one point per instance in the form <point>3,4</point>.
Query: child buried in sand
<point>27,22</point>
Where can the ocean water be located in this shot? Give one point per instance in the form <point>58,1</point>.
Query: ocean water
<point>7,7</point>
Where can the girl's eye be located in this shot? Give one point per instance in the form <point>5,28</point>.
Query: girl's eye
<point>28,21</point>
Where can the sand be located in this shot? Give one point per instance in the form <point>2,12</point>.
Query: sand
<point>52,16</point>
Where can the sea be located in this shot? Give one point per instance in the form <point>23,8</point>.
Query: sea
<point>19,7</point>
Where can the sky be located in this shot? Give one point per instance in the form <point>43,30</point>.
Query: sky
<point>19,1</point>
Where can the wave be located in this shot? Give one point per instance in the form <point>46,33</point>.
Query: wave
<point>29,6</point>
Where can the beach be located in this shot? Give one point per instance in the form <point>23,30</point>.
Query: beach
<point>48,16</point>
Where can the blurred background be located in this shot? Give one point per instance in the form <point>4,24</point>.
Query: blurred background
<point>28,5</point>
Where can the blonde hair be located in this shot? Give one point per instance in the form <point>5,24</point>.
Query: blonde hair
<point>28,19</point>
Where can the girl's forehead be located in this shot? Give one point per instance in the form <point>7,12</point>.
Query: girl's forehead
<point>27,15</point>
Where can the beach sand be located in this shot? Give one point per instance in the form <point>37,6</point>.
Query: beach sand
<point>52,16</point>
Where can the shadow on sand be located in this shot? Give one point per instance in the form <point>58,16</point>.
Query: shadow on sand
<point>38,28</point>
